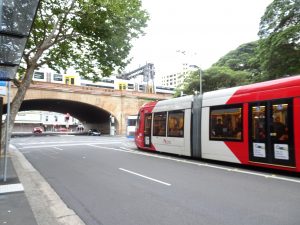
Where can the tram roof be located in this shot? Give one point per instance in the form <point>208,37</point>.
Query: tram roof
<point>281,87</point>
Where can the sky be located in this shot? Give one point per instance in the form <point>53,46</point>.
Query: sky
<point>198,32</point>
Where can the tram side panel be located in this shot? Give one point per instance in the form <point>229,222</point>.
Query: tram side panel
<point>171,132</point>
<point>222,127</point>
<point>214,149</point>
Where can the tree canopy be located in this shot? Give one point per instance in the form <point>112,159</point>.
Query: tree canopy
<point>214,78</point>
<point>92,36</point>
<point>245,59</point>
<point>279,49</point>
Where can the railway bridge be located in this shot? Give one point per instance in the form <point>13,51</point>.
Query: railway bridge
<point>93,106</point>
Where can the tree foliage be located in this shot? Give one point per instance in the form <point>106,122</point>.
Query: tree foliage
<point>240,58</point>
<point>214,78</point>
<point>279,49</point>
<point>92,36</point>
<point>244,58</point>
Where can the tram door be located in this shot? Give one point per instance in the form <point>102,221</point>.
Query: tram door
<point>271,132</point>
<point>147,131</point>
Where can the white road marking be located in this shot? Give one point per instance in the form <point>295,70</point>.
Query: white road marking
<point>10,188</point>
<point>149,178</point>
<point>235,170</point>
<point>58,148</point>
<point>114,149</point>
<point>65,142</point>
<point>64,145</point>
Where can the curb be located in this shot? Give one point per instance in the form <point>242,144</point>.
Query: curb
<point>48,208</point>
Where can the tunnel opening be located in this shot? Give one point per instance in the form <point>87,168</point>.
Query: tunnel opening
<point>90,116</point>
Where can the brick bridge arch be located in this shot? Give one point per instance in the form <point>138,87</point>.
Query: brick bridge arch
<point>86,103</point>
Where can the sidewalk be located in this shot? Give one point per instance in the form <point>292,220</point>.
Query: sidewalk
<point>14,206</point>
<point>27,199</point>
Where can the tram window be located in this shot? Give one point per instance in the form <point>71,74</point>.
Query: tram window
<point>279,126</point>
<point>131,122</point>
<point>148,119</point>
<point>176,123</point>
<point>259,122</point>
<point>137,122</point>
<point>226,123</point>
<point>159,124</point>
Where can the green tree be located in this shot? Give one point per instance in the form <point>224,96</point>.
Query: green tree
<point>244,58</point>
<point>240,58</point>
<point>279,46</point>
<point>92,36</point>
<point>214,78</point>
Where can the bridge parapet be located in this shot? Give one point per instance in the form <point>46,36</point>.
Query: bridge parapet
<point>96,90</point>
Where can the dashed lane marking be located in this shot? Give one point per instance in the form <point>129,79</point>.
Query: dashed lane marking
<point>146,177</point>
<point>11,188</point>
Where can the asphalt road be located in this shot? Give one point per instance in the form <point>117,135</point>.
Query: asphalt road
<point>106,181</point>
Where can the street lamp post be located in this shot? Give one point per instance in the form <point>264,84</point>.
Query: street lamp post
<point>16,18</point>
<point>200,78</point>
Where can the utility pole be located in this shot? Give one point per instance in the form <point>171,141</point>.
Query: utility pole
<point>200,77</point>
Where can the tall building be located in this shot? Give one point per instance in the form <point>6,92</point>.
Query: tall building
<point>176,79</point>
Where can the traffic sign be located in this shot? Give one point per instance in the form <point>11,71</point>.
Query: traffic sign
<point>3,89</point>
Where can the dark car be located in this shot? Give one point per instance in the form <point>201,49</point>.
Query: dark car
<point>37,130</point>
<point>94,132</point>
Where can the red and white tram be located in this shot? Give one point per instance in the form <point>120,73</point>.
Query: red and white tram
<point>257,124</point>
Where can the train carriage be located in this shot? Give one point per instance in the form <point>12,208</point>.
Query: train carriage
<point>257,124</point>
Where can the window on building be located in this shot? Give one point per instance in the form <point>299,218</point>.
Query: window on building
<point>108,81</point>
<point>130,86</point>
<point>122,86</point>
<point>57,77</point>
<point>176,123</point>
<point>159,124</point>
<point>226,123</point>
<point>39,75</point>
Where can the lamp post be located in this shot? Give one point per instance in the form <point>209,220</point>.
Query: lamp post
<point>16,18</point>
<point>200,78</point>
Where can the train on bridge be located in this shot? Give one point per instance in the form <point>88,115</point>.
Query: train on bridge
<point>107,82</point>
<point>256,124</point>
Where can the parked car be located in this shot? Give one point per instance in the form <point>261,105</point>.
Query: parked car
<point>62,129</point>
<point>37,130</point>
<point>94,132</point>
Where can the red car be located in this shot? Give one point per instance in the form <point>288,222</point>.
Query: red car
<point>37,130</point>
<point>63,129</point>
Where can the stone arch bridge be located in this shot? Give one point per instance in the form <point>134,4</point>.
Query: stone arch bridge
<point>91,105</point>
